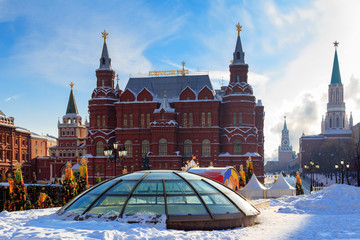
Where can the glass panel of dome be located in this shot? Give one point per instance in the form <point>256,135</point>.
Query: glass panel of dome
<point>190,176</point>
<point>243,204</point>
<point>178,187</point>
<point>219,204</point>
<point>113,200</point>
<point>80,204</point>
<point>185,205</point>
<point>161,176</point>
<point>108,205</point>
<point>203,187</point>
<point>133,176</point>
<point>122,188</point>
<point>152,205</point>
<point>149,187</point>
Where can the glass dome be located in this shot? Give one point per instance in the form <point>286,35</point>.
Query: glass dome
<point>189,201</point>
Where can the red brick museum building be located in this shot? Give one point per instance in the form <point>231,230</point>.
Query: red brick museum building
<point>172,116</point>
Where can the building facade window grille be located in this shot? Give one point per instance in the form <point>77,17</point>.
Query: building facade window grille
<point>128,148</point>
<point>187,148</point>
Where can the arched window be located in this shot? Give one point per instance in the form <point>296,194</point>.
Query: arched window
<point>330,122</point>
<point>142,120</point>
<point>99,148</point>
<point>125,121</point>
<point>148,120</point>
<point>145,148</point>
<point>337,95</point>
<point>190,119</point>
<point>337,122</point>
<point>163,147</point>
<point>187,148</point>
<point>237,147</point>
<point>234,118</point>
<point>102,60</point>
<point>209,119</point>
<point>162,116</point>
<point>128,148</point>
<point>185,120</point>
<point>206,148</point>
<point>237,55</point>
<point>203,119</point>
<point>237,78</point>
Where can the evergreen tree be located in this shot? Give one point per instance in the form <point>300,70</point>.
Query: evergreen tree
<point>249,169</point>
<point>83,182</point>
<point>70,186</point>
<point>19,199</point>
<point>298,186</point>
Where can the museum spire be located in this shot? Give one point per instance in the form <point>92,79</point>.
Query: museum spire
<point>105,60</point>
<point>238,55</point>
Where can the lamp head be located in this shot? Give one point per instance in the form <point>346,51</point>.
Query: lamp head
<point>347,165</point>
<point>342,162</point>
<point>336,165</point>
<point>115,145</point>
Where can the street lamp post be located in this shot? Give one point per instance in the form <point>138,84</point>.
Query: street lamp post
<point>342,168</point>
<point>114,154</point>
<point>311,168</point>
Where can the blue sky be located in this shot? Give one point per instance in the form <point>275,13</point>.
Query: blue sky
<point>45,45</point>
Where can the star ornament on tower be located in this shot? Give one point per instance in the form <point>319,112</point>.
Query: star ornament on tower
<point>336,44</point>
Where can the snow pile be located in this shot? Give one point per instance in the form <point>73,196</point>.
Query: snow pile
<point>337,199</point>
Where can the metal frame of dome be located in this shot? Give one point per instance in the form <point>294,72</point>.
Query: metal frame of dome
<point>189,201</point>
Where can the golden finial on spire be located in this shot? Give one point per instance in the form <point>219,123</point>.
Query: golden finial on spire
<point>71,85</point>
<point>105,35</point>
<point>183,64</point>
<point>164,92</point>
<point>238,27</point>
<point>117,78</point>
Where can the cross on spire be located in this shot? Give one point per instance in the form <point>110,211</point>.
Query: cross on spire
<point>336,44</point>
<point>238,27</point>
<point>71,85</point>
<point>183,64</point>
<point>105,35</point>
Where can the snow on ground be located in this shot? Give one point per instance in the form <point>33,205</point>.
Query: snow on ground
<point>332,213</point>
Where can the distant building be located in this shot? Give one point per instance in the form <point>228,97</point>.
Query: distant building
<point>335,126</point>
<point>18,144</point>
<point>170,118</point>
<point>70,145</point>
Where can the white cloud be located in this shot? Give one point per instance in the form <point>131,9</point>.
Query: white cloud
<point>14,97</point>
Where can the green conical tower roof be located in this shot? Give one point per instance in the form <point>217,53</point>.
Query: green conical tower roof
<point>335,77</point>
<point>71,107</point>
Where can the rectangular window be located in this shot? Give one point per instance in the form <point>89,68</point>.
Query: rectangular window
<point>209,119</point>
<point>103,121</point>
<point>125,121</point>
<point>98,124</point>
<point>185,120</point>
<point>166,166</point>
<point>142,120</point>
<point>203,119</point>
<point>190,119</point>
<point>148,120</point>
<point>159,165</point>
<point>240,118</point>
<point>234,118</point>
<point>130,120</point>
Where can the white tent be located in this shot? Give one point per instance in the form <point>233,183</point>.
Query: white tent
<point>254,189</point>
<point>281,188</point>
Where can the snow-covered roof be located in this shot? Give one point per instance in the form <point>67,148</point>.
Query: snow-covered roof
<point>254,184</point>
<point>281,183</point>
